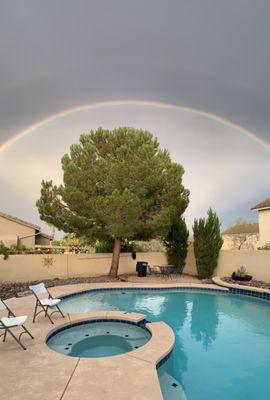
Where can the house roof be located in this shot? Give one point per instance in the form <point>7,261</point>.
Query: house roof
<point>19,221</point>
<point>263,204</point>
<point>45,235</point>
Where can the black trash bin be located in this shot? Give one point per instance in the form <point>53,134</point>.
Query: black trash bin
<point>141,268</point>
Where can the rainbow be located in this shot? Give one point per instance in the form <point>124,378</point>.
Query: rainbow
<point>31,128</point>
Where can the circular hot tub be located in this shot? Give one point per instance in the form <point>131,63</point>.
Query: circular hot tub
<point>98,338</point>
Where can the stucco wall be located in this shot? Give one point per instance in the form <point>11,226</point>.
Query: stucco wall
<point>8,227</point>
<point>257,263</point>
<point>264,226</point>
<point>22,268</point>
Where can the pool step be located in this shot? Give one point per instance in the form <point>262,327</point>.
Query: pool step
<point>171,388</point>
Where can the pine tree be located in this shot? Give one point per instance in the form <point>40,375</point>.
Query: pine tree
<point>207,244</point>
<point>117,185</point>
<point>176,243</point>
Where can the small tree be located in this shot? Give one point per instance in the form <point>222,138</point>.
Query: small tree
<point>4,250</point>
<point>117,185</point>
<point>74,241</point>
<point>207,244</point>
<point>176,243</point>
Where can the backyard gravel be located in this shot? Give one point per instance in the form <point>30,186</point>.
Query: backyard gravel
<point>252,283</point>
<point>8,290</point>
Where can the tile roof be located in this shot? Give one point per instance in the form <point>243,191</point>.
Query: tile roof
<point>263,204</point>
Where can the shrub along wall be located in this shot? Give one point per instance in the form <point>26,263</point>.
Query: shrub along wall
<point>22,268</point>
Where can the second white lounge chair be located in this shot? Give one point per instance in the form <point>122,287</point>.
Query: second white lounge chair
<point>45,301</point>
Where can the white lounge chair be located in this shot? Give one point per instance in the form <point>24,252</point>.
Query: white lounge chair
<point>45,301</point>
<point>11,321</point>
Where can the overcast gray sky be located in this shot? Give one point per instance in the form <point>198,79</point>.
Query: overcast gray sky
<point>211,55</point>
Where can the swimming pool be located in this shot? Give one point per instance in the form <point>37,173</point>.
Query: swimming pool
<point>94,339</point>
<point>222,348</point>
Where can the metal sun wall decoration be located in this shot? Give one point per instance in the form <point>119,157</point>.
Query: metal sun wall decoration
<point>48,261</point>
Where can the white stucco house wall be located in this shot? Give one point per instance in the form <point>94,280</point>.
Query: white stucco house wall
<point>16,231</point>
<point>263,209</point>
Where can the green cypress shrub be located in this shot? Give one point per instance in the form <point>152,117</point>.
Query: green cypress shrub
<point>176,243</point>
<point>207,244</point>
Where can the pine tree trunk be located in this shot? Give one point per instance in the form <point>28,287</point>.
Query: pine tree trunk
<point>115,257</point>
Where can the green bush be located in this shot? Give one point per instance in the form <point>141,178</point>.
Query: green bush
<point>176,243</point>
<point>207,244</point>
<point>18,249</point>
<point>154,245</point>
<point>4,250</point>
<point>128,247</point>
<point>106,246</point>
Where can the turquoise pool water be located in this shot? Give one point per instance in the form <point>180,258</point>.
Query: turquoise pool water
<point>98,339</point>
<point>222,349</point>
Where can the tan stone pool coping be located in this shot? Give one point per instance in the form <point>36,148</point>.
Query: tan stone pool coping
<point>41,373</point>
<point>218,281</point>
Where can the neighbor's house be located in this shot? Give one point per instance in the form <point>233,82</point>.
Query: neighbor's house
<point>264,221</point>
<point>16,231</point>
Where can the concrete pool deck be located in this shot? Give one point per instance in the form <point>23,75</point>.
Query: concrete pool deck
<point>41,373</point>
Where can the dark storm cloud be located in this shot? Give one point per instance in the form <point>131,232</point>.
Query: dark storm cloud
<point>210,55</point>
